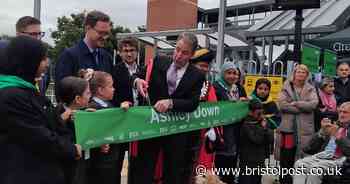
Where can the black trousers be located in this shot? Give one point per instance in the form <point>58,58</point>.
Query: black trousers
<point>174,163</point>
<point>106,168</point>
<point>76,172</point>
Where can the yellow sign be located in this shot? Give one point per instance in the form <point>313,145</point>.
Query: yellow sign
<point>276,84</point>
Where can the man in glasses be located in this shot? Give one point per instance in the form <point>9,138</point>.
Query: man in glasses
<point>88,52</point>
<point>29,26</point>
<point>122,74</point>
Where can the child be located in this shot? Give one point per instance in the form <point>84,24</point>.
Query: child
<point>262,94</point>
<point>106,162</point>
<point>271,112</point>
<point>74,94</point>
<point>255,135</point>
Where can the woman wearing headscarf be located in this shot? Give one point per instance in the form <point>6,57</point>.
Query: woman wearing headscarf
<point>33,145</point>
<point>228,88</point>
<point>297,101</point>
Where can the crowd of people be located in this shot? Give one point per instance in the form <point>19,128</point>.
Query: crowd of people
<point>306,127</point>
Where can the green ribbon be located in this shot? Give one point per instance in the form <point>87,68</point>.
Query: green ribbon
<point>117,126</point>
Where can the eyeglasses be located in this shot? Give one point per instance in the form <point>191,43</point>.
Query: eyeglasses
<point>35,34</point>
<point>104,34</point>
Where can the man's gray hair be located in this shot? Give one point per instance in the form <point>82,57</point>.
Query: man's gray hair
<point>190,38</point>
<point>345,105</point>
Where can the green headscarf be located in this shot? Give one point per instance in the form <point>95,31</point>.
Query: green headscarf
<point>14,81</point>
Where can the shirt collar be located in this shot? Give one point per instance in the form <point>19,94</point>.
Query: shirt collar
<point>182,68</point>
<point>100,102</point>
<point>344,80</point>
<point>131,67</point>
<point>90,49</point>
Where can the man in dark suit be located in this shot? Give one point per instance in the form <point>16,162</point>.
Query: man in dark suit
<point>89,52</point>
<point>174,86</point>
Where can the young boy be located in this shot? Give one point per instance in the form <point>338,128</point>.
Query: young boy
<point>255,135</point>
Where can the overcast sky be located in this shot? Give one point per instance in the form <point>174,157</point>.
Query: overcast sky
<point>128,13</point>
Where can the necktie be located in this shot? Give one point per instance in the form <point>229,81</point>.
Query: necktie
<point>171,79</point>
<point>95,54</point>
<point>338,153</point>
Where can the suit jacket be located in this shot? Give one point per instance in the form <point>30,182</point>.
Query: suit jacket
<point>123,85</point>
<point>186,96</point>
<point>79,57</point>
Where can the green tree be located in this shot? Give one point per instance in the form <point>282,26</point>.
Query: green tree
<point>71,29</point>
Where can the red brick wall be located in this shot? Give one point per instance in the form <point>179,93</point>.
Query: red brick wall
<point>165,15</point>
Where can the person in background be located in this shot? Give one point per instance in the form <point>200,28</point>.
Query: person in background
<point>327,106</point>
<point>255,137</point>
<point>341,83</point>
<point>122,74</point>
<point>33,145</point>
<point>31,26</point>
<point>198,151</point>
<point>262,94</point>
<point>228,88</point>
<point>271,111</point>
<point>297,101</point>
<point>328,148</point>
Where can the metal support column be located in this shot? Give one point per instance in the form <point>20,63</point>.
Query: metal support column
<point>298,34</point>
<point>37,9</point>
<point>263,58</point>
<point>221,33</point>
<point>270,55</point>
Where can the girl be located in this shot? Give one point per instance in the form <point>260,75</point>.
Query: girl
<point>106,162</point>
<point>262,94</point>
<point>74,93</point>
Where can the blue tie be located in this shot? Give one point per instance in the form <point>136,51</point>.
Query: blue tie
<point>95,54</point>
